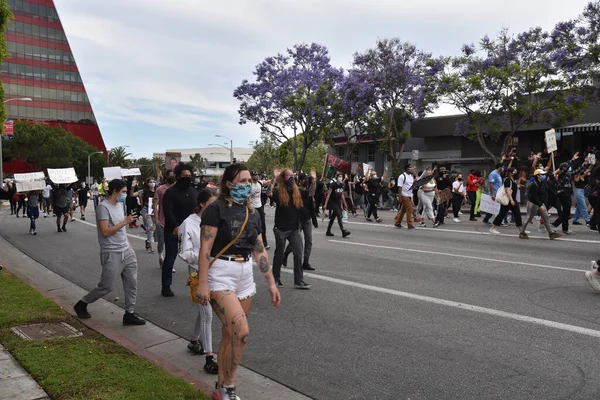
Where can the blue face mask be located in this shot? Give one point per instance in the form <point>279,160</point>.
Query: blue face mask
<point>570,169</point>
<point>543,178</point>
<point>122,198</point>
<point>240,192</point>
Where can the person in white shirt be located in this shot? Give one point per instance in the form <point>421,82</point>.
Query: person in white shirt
<point>95,193</point>
<point>46,199</point>
<point>405,183</point>
<point>458,195</point>
<point>256,201</point>
<point>189,237</point>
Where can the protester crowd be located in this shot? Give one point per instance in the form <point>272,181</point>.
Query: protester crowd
<point>219,231</point>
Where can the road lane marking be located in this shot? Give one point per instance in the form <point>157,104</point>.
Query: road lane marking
<point>562,239</point>
<point>463,306</point>
<point>128,234</point>
<point>457,255</point>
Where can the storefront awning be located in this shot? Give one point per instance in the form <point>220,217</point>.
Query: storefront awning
<point>591,127</point>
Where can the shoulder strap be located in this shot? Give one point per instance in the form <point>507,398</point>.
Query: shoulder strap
<point>232,242</point>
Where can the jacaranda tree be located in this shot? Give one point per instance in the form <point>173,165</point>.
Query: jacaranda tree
<point>402,82</point>
<point>292,94</point>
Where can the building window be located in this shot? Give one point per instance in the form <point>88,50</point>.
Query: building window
<point>371,150</point>
<point>355,154</point>
<point>340,151</point>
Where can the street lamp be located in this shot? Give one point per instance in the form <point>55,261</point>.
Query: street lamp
<point>89,178</point>
<point>226,148</point>
<point>230,146</point>
<point>2,138</point>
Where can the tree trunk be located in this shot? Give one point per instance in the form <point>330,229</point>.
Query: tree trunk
<point>506,144</point>
<point>481,141</point>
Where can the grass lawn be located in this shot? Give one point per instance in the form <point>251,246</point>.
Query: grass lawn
<point>86,367</point>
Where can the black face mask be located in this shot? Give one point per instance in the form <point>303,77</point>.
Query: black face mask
<point>171,180</point>
<point>184,182</point>
<point>459,179</point>
<point>290,182</point>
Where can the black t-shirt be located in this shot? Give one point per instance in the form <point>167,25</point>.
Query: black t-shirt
<point>337,191</point>
<point>442,183</point>
<point>509,183</point>
<point>59,197</point>
<point>82,194</point>
<point>229,220</point>
<point>287,217</point>
<point>374,186</point>
<point>358,189</point>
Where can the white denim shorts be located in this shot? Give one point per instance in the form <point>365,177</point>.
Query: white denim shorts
<point>231,275</point>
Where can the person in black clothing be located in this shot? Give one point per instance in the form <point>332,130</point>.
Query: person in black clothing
<point>374,193</point>
<point>319,194</point>
<point>60,206</point>
<point>289,203</point>
<point>12,189</point>
<point>179,202</point>
<point>537,197</point>
<point>308,219</point>
<point>564,191</point>
<point>442,182</point>
<point>132,200</point>
<point>336,202</point>
<point>82,199</point>
<point>510,187</point>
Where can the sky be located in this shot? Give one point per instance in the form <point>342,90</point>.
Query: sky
<point>160,74</point>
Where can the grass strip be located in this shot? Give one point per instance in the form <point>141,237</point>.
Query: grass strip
<point>86,367</point>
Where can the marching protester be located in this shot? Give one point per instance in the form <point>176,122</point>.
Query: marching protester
<point>159,216</point>
<point>230,234</point>
<point>46,199</point>
<point>443,184</point>
<point>82,199</point>
<point>178,203</point>
<point>116,255</point>
<point>145,195</point>
<point>95,193</point>
<point>257,203</point>
<point>70,201</point>
<point>473,185</point>
<point>60,205</point>
<point>495,182</point>
<point>308,219</point>
<point>426,194</point>
<point>537,198</point>
<point>510,189</point>
<point>581,208</point>
<point>392,194</point>
<point>289,205</point>
<point>189,234</point>
<point>102,190</point>
<point>458,196</point>
<point>374,185</point>
<point>11,192</point>
<point>336,202</point>
<point>405,187</point>
<point>33,210</point>
<point>564,191</point>
<point>21,199</point>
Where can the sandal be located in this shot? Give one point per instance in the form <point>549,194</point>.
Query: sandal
<point>379,220</point>
<point>211,367</point>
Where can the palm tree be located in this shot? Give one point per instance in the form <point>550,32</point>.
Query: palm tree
<point>118,157</point>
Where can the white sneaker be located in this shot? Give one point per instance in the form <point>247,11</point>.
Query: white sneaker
<point>569,232</point>
<point>174,270</point>
<point>460,213</point>
<point>593,280</point>
<point>456,220</point>
<point>225,393</point>
<point>494,231</point>
<point>527,232</point>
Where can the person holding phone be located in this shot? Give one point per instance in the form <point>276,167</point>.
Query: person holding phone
<point>116,255</point>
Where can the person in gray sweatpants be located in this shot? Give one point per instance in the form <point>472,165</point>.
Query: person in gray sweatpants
<point>116,255</point>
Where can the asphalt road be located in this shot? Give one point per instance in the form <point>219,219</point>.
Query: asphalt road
<point>447,313</point>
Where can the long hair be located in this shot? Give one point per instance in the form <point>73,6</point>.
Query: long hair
<point>229,175</point>
<point>284,197</point>
<point>146,191</point>
<point>205,195</point>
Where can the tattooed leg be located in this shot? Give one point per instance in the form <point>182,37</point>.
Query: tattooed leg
<point>235,333</point>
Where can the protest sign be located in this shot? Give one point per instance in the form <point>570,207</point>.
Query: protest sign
<point>551,141</point>
<point>30,181</point>
<point>62,175</point>
<point>444,195</point>
<point>111,173</point>
<point>488,205</point>
<point>130,172</point>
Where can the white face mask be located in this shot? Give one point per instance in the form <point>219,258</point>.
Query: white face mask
<point>340,179</point>
<point>152,185</point>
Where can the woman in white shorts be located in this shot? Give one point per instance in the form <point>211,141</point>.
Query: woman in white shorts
<point>227,282</point>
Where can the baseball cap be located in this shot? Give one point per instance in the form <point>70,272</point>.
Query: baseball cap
<point>443,170</point>
<point>539,172</point>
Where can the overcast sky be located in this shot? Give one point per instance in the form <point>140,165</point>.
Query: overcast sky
<point>160,73</point>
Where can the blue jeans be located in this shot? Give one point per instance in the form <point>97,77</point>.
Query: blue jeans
<point>580,206</point>
<point>392,198</point>
<point>171,250</point>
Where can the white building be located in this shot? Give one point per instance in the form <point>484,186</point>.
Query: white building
<point>218,157</point>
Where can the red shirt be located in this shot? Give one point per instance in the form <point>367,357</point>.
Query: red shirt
<point>472,181</point>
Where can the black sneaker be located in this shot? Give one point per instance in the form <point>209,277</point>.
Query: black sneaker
<point>167,292</point>
<point>345,233</point>
<point>132,319</point>
<point>328,233</point>
<point>211,367</point>
<point>195,346</point>
<point>83,217</point>
<point>284,262</point>
<point>278,282</point>
<point>64,228</point>
<point>58,230</point>
<point>302,285</point>
<point>81,310</point>
<point>307,267</point>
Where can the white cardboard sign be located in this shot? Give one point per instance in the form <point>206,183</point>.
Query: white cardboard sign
<point>31,176</point>
<point>551,141</point>
<point>62,175</point>
<point>30,181</point>
<point>130,172</point>
<point>111,173</point>
<point>488,205</point>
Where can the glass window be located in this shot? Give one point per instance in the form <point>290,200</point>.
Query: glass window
<point>26,7</point>
<point>13,89</point>
<point>12,110</point>
<point>371,152</point>
<point>20,48</point>
<point>29,70</point>
<point>37,113</point>
<point>74,96</point>
<point>29,91</point>
<point>45,113</point>
<point>35,29</point>
<point>44,31</point>
<point>30,112</point>
<point>49,93</point>
<point>44,73</point>
<point>12,47</point>
<point>35,8</point>
<point>60,114</point>
<point>11,26</point>
<point>68,116</point>
<point>21,90</point>
<point>22,113</point>
<point>27,28</point>
<point>37,92</point>
<point>28,49</point>
<point>52,113</point>
<point>19,27</point>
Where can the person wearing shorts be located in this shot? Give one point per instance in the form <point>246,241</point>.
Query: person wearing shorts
<point>46,199</point>
<point>227,282</point>
<point>60,205</point>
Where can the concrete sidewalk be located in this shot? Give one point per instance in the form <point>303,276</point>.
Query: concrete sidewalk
<point>152,342</point>
<point>15,382</point>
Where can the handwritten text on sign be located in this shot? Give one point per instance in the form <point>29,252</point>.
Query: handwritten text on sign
<point>62,175</point>
<point>488,205</point>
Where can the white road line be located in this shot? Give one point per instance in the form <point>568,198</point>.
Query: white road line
<point>562,239</point>
<point>463,306</point>
<point>128,234</point>
<point>457,255</point>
